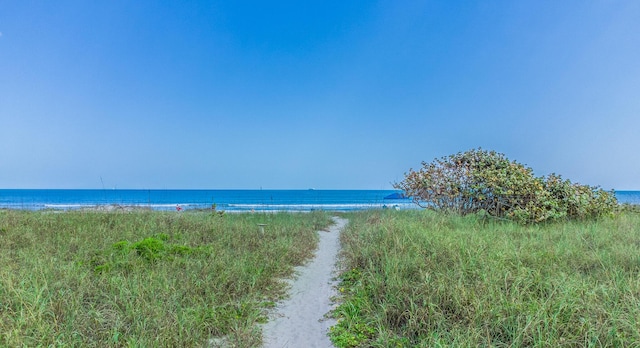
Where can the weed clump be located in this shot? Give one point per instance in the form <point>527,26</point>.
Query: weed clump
<point>151,249</point>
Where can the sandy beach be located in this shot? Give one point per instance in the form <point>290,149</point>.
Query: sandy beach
<point>300,320</point>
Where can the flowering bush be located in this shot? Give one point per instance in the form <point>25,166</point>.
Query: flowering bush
<point>479,181</point>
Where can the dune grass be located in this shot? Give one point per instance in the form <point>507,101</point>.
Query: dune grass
<point>145,279</point>
<point>421,279</point>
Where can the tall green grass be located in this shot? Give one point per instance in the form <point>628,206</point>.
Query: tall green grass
<point>145,279</point>
<point>417,278</point>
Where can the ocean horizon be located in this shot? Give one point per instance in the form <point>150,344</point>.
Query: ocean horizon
<point>227,200</point>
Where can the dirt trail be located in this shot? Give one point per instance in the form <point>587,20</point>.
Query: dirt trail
<point>300,319</point>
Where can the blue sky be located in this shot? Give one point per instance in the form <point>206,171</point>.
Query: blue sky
<point>322,94</point>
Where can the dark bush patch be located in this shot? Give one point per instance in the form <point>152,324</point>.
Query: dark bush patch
<point>487,182</point>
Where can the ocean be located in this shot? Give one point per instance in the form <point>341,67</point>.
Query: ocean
<point>227,200</point>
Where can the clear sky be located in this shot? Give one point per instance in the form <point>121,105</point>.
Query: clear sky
<point>313,94</point>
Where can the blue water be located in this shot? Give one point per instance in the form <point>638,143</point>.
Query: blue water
<point>228,200</point>
<point>631,197</point>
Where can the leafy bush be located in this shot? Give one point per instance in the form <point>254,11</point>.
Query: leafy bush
<point>150,249</point>
<point>479,181</point>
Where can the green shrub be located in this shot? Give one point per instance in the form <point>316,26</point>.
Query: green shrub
<point>150,248</point>
<point>486,181</point>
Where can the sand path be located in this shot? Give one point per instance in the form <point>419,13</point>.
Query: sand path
<point>300,320</point>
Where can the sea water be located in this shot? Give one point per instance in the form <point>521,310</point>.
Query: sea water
<point>630,197</point>
<point>228,200</point>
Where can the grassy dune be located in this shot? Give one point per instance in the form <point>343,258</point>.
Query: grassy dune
<point>415,278</point>
<point>411,278</point>
<point>141,279</point>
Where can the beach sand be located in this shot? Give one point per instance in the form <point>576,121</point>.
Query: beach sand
<point>300,320</point>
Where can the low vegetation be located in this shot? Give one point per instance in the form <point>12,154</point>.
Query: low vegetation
<point>427,279</point>
<point>145,279</point>
<point>487,182</point>
<point>409,278</point>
